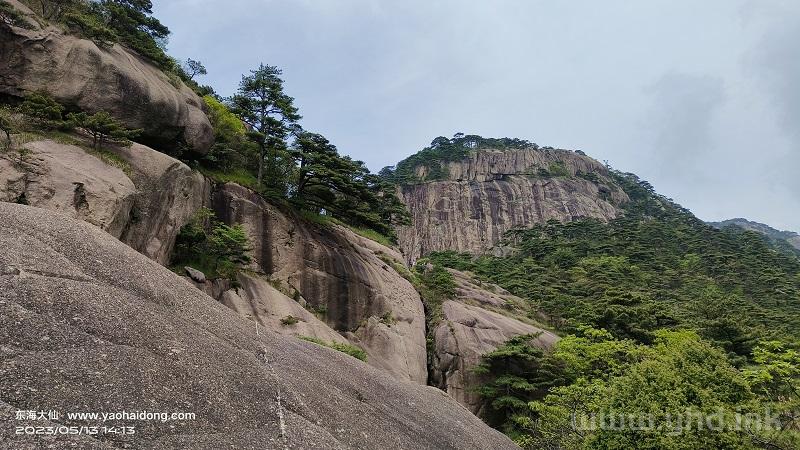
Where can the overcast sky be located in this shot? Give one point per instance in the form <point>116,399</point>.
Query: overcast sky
<point>701,98</point>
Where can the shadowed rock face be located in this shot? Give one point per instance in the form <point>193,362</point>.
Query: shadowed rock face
<point>89,325</point>
<point>340,274</point>
<point>168,195</point>
<point>256,299</point>
<point>493,191</point>
<point>77,72</point>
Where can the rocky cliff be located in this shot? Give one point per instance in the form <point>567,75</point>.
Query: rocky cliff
<point>144,197</point>
<point>307,279</point>
<point>89,325</point>
<point>64,177</point>
<point>476,321</point>
<point>492,191</point>
<point>168,193</point>
<point>339,274</point>
<point>79,74</point>
<point>135,193</point>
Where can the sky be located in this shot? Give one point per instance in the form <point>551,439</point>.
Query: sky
<point>700,98</point>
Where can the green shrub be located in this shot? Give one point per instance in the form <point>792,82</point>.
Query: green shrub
<point>589,176</point>
<point>290,320</point>
<point>6,126</point>
<point>215,248</point>
<point>42,110</point>
<point>442,151</point>
<point>10,16</point>
<point>103,128</point>
<point>558,169</point>
<point>352,350</point>
<point>388,319</point>
<point>90,27</point>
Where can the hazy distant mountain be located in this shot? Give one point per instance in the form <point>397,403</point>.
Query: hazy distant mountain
<point>777,236</point>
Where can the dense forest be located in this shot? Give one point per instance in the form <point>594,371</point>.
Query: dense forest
<point>656,307</point>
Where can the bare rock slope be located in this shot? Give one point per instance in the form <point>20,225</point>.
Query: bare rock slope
<point>88,324</point>
<point>79,73</point>
<point>492,191</point>
<point>339,274</point>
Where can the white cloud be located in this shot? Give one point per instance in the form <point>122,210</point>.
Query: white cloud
<point>701,98</point>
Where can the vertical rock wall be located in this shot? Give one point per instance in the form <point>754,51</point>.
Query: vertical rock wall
<point>168,195</point>
<point>340,275</point>
<point>493,191</point>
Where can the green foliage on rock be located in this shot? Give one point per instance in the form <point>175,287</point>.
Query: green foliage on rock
<point>342,187</point>
<point>232,150</point>
<point>212,247</point>
<point>290,320</point>
<point>352,350</point>
<point>103,128</point>
<point>656,267</point>
<point>10,16</point>
<point>680,392</point>
<point>516,373</point>
<point>7,126</point>
<point>42,110</point>
<point>82,22</point>
<point>433,159</point>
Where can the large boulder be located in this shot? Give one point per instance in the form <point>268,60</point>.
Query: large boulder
<point>63,177</point>
<point>346,278</point>
<point>479,319</point>
<point>138,195</point>
<point>78,73</point>
<point>89,325</point>
<point>493,191</point>
<point>168,194</point>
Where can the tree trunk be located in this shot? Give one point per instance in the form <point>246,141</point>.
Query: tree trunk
<point>261,155</point>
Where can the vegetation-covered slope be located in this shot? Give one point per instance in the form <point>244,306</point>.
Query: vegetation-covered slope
<point>787,241</point>
<point>656,267</point>
<point>669,320</point>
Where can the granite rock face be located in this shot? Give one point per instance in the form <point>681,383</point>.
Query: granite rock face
<point>66,178</point>
<point>168,194</point>
<point>493,191</point>
<point>89,325</point>
<point>339,274</point>
<point>258,300</point>
<point>475,322</point>
<point>145,205</point>
<point>78,73</point>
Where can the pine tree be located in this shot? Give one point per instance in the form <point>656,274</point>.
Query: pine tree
<point>261,103</point>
